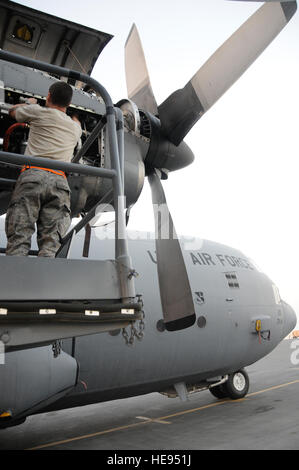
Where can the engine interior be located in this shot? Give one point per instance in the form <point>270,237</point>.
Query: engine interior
<point>14,136</point>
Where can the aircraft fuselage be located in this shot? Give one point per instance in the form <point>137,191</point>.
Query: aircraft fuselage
<point>230,295</point>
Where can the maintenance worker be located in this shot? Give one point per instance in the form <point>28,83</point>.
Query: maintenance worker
<point>42,196</point>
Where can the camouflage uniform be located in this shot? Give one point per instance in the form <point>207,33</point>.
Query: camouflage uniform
<point>40,197</point>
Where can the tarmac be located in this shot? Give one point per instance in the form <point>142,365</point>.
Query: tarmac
<point>266,419</point>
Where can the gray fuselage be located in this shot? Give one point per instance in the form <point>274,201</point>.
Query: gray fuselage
<point>230,295</point>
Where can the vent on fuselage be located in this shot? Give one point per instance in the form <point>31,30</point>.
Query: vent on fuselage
<point>232,280</point>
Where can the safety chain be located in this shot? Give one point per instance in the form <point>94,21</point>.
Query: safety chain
<point>134,332</point>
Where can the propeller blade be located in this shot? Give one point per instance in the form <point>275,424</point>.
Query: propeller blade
<point>175,291</point>
<point>181,110</point>
<point>137,77</point>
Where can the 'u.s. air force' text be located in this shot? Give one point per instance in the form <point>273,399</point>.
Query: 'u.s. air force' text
<point>205,259</point>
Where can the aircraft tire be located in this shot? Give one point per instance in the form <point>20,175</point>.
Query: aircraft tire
<point>237,385</point>
<point>218,391</point>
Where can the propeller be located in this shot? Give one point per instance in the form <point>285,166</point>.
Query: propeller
<point>175,292</point>
<point>177,115</point>
<point>183,108</point>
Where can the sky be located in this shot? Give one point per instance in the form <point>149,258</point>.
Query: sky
<point>242,189</point>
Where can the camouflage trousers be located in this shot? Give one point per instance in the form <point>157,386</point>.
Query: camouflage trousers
<point>42,198</point>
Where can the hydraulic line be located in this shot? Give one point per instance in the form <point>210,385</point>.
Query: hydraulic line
<point>10,131</point>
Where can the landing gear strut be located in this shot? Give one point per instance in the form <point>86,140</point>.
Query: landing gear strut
<point>235,387</point>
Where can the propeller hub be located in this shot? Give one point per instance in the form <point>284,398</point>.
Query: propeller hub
<point>162,153</point>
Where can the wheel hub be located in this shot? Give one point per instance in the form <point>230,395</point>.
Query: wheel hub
<point>239,381</point>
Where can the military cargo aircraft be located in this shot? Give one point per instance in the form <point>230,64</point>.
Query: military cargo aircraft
<point>207,310</point>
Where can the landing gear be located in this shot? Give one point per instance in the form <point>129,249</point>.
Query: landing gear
<point>218,391</point>
<point>235,387</point>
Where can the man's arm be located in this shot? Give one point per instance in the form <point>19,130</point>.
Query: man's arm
<point>12,111</point>
<point>75,118</point>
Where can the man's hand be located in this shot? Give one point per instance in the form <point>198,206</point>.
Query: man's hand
<point>31,101</point>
